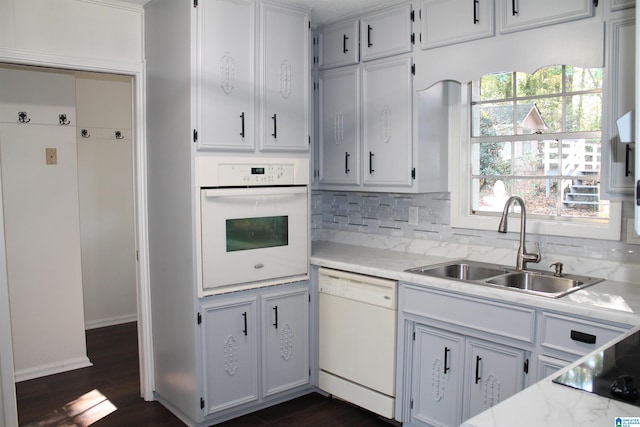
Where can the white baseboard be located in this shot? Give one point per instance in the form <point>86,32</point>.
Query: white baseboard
<point>101,323</point>
<point>52,368</point>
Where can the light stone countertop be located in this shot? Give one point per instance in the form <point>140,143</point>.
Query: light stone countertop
<point>543,404</point>
<point>608,300</point>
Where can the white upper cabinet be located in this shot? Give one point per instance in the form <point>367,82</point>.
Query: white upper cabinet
<point>226,74</point>
<point>339,126</point>
<point>284,78</point>
<point>518,15</point>
<point>387,112</point>
<point>339,44</point>
<point>445,22</point>
<point>386,32</point>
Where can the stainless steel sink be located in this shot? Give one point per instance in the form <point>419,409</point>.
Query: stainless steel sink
<point>530,281</point>
<point>543,283</point>
<point>461,270</point>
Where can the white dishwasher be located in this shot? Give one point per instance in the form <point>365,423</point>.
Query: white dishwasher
<point>357,320</point>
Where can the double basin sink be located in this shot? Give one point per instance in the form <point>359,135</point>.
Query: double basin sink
<point>536,282</point>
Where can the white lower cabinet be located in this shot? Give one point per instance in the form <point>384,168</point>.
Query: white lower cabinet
<point>456,377</point>
<point>260,338</point>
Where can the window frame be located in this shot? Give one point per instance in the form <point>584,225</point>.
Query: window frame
<point>461,212</point>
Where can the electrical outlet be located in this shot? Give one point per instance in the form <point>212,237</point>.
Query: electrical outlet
<point>413,215</point>
<point>51,155</point>
<point>632,236</point>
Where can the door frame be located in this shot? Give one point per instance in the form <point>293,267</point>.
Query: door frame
<point>143,288</point>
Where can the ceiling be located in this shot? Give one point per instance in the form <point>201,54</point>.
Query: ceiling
<point>327,11</point>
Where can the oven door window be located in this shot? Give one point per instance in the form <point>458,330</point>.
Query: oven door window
<point>245,234</point>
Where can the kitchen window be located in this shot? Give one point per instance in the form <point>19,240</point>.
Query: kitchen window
<point>537,136</point>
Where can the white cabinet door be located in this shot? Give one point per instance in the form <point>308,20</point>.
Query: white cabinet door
<point>493,373</point>
<point>387,117</point>
<point>230,351</point>
<point>618,167</point>
<point>518,15</point>
<point>285,326</point>
<point>340,126</point>
<point>447,22</point>
<point>339,44</point>
<point>226,69</point>
<point>284,78</point>
<point>436,387</point>
<point>386,33</point>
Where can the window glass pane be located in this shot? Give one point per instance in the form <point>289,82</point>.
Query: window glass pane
<point>491,158</point>
<point>495,119</point>
<point>528,158</point>
<point>545,81</point>
<point>584,112</point>
<point>490,194</point>
<point>579,79</point>
<point>581,157</point>
<point>496,87</point>
<point>540,115</point>
<point>540,195</point>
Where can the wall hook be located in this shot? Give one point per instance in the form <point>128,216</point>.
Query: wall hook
<point>84,133</point>
<point>119,135</point>
<point>22,117</point>
<point>63,119</point>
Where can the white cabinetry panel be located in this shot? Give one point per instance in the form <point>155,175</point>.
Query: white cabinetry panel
<point>386,32</point>
<point>340,126</point>
<point>226,74</point>
<point>285,333</point>
<point>284,77</point>
<point>387,111</point>
<point>447,22</point>
<point>339,44</point>
<point>230,351</point>
<point>518,15</point>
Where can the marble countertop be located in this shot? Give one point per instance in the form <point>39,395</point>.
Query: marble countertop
<point>608,300</point>
<point>544,403</point>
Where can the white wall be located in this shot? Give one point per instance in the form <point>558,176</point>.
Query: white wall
<point>41,222</point>
<point>105,177</point>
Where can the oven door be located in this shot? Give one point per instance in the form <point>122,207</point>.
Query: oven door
<point>253,236</point>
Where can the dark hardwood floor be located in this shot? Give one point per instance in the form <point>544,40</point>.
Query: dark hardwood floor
<point>108,394</point>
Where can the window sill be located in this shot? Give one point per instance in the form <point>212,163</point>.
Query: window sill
<point>564,228</point>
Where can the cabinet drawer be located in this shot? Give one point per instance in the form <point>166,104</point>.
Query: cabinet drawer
<point>483,315</point>
<point>575,336</point>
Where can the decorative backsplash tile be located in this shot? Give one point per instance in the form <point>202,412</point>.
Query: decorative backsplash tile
<point>387,214</point>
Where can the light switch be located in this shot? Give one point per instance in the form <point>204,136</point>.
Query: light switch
<point>52,156</point>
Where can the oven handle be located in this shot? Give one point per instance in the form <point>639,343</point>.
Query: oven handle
<point>244,192</point>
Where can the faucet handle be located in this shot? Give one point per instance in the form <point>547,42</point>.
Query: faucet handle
<point>558,266</point>
<point>536,256</point>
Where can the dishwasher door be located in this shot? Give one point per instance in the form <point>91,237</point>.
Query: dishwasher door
<point>357,319</point>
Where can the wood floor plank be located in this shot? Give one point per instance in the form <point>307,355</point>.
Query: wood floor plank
<point>113,350</point>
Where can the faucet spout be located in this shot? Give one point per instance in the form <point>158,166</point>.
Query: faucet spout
<point>524,257</point>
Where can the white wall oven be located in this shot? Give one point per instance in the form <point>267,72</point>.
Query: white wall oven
<point>253,222</point>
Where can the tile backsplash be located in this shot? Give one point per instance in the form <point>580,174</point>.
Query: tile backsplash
<point>388,214</point>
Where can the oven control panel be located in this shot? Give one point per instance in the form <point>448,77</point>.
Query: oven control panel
<point>255,174</point>
<point>212,172</point>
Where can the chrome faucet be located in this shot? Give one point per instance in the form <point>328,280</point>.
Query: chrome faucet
<point>524,257</point>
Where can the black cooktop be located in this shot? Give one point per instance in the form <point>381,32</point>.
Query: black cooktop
<point>612,373</point>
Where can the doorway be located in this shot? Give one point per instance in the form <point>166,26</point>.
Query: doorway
<point>68,193</point>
